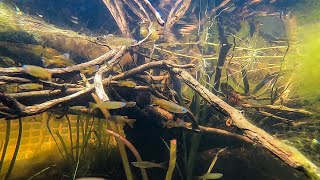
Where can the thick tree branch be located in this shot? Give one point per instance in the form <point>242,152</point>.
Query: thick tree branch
<point>288,154</point>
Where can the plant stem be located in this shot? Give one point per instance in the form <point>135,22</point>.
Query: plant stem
<point>6,143</point>
<point>173,158</point>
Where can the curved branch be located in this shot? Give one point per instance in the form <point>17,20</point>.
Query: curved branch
<point>98,84</point>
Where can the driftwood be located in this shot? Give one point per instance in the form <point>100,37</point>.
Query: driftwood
<point>287,153</point>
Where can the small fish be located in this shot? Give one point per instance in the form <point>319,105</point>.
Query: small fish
<point>167,105</point>
<point>18,11</point>
<point>8,61</point>
<point>30,86</point>
<point>130,84</point>
<point>40,15</point>
<point>74,21</point>
<point>176,124</point>
<point>107,105</point>
<point>188,29</point>
<point>82,109</point>
<point>58,61</point>
<point>122,120</point>
<point>89,70</point>
<point>211,176</point>
<point>147,164</point>
<point>130,104</point>
<point>74,17</point>
<point>37,71</point>
<point>113,40</point>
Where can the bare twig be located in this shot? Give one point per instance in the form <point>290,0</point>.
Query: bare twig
<point>41,93</point>
<point>115,8</point>
<point>69,69</point>
<point>39,108</point>
<point>14,79</point>
<point>98,76</point>
<point>154,12</point>
<point>177,12</point>
<point>136,11</point>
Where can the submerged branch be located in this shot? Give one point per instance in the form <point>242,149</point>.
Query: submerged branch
<point>288,154</point>
<point>69,69</point>
<point>98,76</point>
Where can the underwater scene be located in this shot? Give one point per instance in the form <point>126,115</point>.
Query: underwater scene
<point>159,89</point>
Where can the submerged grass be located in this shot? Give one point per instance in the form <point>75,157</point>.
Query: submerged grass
<point>78,154</point>
<point>6,143</point>
<point>40,172</point>
<point>54,139</point>
<point>15,153</point>
<point>123,153</point>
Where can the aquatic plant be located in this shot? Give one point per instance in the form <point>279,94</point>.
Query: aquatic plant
<point>173,158</point>
<point>16,150</point>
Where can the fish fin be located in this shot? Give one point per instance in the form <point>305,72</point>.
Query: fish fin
<point>130,122</point>
<point>163,165</point>
<point>164,124</point>
<point>69,62</point>
<point>152,99</point>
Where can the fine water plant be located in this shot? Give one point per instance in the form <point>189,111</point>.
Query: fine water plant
<point>78,153</point>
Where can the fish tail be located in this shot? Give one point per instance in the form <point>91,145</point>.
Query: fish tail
<point>46,61</point>
<point>92,106</point>
<point>130,122</point>
<point>69,62</point>
<point>120,84</point>
<point>153,99</point>
<point>163,165</point>
<point>49,76</point>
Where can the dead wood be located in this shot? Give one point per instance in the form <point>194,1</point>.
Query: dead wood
<point>288,154</point>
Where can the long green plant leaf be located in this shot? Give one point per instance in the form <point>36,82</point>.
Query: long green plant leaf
<point>15,153</point>
<point>6,143</point>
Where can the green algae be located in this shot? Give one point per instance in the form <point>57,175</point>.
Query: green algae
<point>307,70</point>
